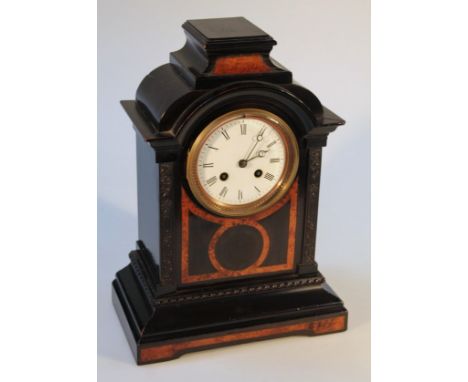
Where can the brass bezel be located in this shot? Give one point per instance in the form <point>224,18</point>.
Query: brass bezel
<point>274,195</point>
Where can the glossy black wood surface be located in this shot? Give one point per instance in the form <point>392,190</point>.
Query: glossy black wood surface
<point>225,65</point>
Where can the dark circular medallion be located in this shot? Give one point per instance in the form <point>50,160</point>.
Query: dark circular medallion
<point>239,247</point>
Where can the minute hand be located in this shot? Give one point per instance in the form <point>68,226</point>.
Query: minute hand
<point>259,138</point>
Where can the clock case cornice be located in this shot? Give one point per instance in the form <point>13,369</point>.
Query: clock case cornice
<point>192,85</point>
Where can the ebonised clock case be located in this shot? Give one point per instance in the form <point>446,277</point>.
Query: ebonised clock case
<point>164,312</point>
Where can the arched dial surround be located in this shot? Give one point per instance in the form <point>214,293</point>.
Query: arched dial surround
<point>242,162</point>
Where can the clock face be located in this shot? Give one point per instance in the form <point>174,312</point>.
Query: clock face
<point>242,162</point>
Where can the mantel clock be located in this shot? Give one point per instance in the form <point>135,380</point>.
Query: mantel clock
<point>228,162</point>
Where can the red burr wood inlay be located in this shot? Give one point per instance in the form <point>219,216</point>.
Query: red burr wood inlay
<point>226,223</point>
<point>251,63</point>
<point>172,350</point>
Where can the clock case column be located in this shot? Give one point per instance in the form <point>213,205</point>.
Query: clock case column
<point>162,318</point>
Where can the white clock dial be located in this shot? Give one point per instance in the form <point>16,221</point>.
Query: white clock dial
<point>241,161</point>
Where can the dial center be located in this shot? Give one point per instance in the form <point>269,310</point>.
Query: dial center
<point>243,163</point>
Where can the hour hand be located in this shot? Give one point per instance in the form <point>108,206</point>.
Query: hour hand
<point>260,154</point>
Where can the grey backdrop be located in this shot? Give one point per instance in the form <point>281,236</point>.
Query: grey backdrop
<point>326,44</point>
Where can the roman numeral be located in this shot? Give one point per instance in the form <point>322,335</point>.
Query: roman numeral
<point>239,195</point>
<point>223,192</point>
<point>269,176</point>
<point>274,160</point>
<point>243,128</point>
<point>271,144</point>
<point>211,181</point>
<point>225,134</point>
<point>205,165</point>
<point>257,189</point>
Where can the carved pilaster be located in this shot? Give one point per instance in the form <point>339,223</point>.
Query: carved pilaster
<point>167,223</point>
<point>312,198</point>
